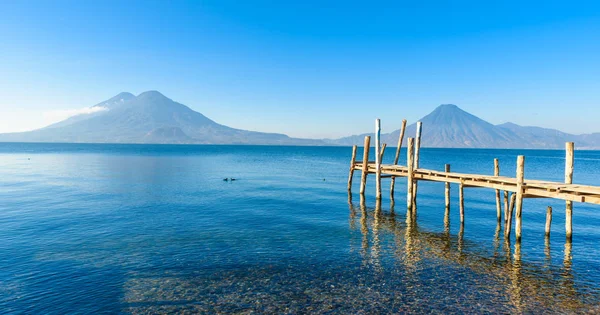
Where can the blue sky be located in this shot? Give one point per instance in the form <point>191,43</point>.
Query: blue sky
<point>306,68</point>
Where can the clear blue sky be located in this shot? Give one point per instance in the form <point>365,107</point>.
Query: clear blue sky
<point>306,68</point>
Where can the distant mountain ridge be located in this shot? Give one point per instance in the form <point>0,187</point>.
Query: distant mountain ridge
<point>147,118</point>
<point>448,126</point>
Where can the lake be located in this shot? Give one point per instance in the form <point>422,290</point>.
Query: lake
<point>139,229</point>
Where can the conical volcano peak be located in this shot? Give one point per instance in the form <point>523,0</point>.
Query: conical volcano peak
<point>156,95</point>
<point>116,100</point>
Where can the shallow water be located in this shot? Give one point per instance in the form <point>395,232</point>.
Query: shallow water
<point>148,229</point>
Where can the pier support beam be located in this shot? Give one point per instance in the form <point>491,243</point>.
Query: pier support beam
<point>498,203</point>
<point>519,201</point>
<point>410,156</point>
<point>505,208</point>
<point>447,192</point>
<point>365,167</point>
<point>548,220</point>
<point>509,221</point>
<point>417,154</point>
<point>461,200</point>
<point>352,163</point>
<point>378,158</point>
<point>569,159</point>
<point>398,149</point>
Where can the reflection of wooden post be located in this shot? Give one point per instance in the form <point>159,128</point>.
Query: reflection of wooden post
<point>519,201</point>
<point>352,162</point>
<point>409,178</point>
<point>365,168</point>
<point>447,191</point>
<point>461,200</point>
<point>393,183</point>
<point>548,220</point>
<point>498,204</point>
<point>378,158</point>
<point>416,166</point>
<point>570,147</point>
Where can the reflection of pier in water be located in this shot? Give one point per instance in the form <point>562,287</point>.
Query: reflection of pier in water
<point>527,285</point>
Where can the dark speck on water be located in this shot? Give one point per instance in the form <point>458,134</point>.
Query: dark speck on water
<point>146,229</point>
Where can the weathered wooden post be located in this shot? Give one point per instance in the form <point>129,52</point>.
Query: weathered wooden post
<point>548,220</point>
<point>511,209</point>
<point>519,201</point>
<point>416,166</point>
<point>498,203</point>
<point>365,167</point>
<point>400,139</point>
<point>378,158</point>
<point>352,163</point>
<point>505,207</point>
<point>461,201</point>
<point>447,191</point>
<point>569,161</point>
<point>382,153</point>
<point>410,156</point>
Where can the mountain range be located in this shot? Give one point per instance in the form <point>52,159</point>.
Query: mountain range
<point>448,126</point>
<point>154,118</point>
<point>148,118</point>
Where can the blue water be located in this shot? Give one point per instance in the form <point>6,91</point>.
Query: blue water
<point>152,229</point>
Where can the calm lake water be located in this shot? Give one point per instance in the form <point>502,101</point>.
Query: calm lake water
<point>154,229</point>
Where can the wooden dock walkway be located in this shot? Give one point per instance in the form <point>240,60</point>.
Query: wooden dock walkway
<point>514,189</point>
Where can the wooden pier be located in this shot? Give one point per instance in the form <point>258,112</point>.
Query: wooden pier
<point>517,187</point>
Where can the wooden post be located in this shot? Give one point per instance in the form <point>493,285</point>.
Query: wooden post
<point>409,178</point>
<point>461,200</point>
<point>352,163</point>
<point>447,191</point>
<point>498,203</point>
<point>569,160</point>
<point>505,207</point>
<point>519,201</point>
<point>382,153</point>
<point>365,168</point>
<point>511,209</point>
<point>378,158</point>
<point>393,182</point>
<point>417,151</point>
<point>548,220</point>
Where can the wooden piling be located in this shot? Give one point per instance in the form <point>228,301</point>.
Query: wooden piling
<point>569,160</point>
<point>378,158</point>
<point>461,201</point>
<point>382,153</point>
<point>498,203</point>
<point>409,178</point>
<point>519,200</point>
<point>447,191</point>
<point>416,166</point>
<point>548,220</point>
<point>505,206</point>
<point>365,166</point>
<point>398,149</point>
<point>509,221</point>
<point>352,163</point>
